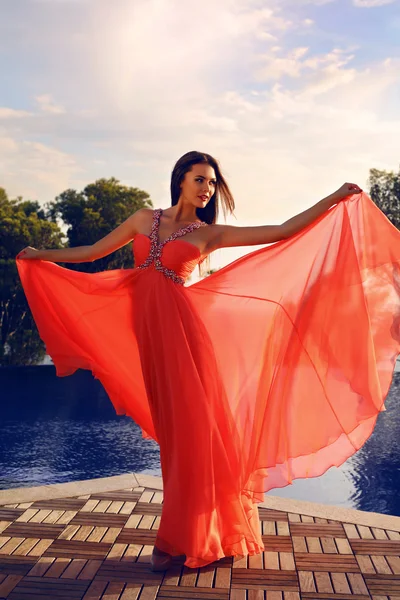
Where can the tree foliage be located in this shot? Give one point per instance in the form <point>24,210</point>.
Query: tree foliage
<point>385,192</point>
<point>88,216</point>
<point>93,213</point>
<point>23,223</point>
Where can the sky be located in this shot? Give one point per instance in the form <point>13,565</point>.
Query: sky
<point>292,97</point>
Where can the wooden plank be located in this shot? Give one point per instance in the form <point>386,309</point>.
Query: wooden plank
<point>328,545</point>
<point>132,552</point>
<point>380,584</point>
<point>256,561</point>
<point>59,504</point>
<point>127,508</point>
<point>271,560</point>
<point>115,506</point>
<point>74,569</point>
<point>42,565</point>
<point>357,583</point>
<point>37,530</point>
<point>223,578</point>
<point>238,595</point>
<point>379,534</point>
<point>189,593</point>
<point>351,531</point>
<point>117,551</point>
<point>365,564</point>
<point>40,548</point>
<point>268,514</point>
<point>294,518</point>
<point>394,562</point>
<point>125,495</point>
<point>10,514</point>
<point>314,545</point>
<point>277,543</point>
<point>258,579</point>
<point>99,519</point>
<point>131,591</point>
<point>11,545</point>
<point>8,584</point>
<point>206,577</point>
<point>380,564</point>
<point>102,506</point>
<point>26,546</point>
<point>98,534</point>
<point>49,588</point>
<point>72,549</point>
<point>323,582</point>
<point>343,546</point>
<point>39,516</point>
<point>286,560</point>
<point>82,533</point>
<point>336,563</point>
<point>256,595</point>
<point>188,577</point>
<point>317,530</point>
<point>376,547</point>
<point>306,581</point>
<point>365,532</point>
<point>137,536</point>
<point>148,508</point>
<point>95,590</point>
<point>340,583</point>
<point>268,527</point>
<point>299,544</point>
<point>58,567</point>
<point>282,528</point>
<point>26,515</point>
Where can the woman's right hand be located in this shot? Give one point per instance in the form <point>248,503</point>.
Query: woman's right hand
<point>28,252</point>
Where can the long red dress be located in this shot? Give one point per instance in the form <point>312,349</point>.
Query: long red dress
<point>273,368</point>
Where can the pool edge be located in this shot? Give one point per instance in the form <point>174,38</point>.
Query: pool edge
<point>137,480</point>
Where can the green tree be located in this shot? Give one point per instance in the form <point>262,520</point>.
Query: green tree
<point>89,215</point>
<point>385,192</point>
<point>22,223</point>
<point>93,213</point>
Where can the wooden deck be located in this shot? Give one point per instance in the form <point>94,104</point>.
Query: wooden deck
<point>98,546</point>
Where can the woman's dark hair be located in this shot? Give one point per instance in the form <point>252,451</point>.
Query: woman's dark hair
<point>222,194</point>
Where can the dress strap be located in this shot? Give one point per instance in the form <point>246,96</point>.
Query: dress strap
<point>179,232</point>
<point>155,225</point>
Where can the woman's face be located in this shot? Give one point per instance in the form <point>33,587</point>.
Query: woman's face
<point>198,185</point>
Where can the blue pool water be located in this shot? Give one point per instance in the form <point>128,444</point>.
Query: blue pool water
<point>58,429</point>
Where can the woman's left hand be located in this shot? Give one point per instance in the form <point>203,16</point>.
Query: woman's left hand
<point>28,252</point>
<point>347,189</point>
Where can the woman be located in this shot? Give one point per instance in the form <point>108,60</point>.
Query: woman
<point>273,368</point>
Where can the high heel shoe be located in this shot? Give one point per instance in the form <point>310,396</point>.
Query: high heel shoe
<point>160,561</point>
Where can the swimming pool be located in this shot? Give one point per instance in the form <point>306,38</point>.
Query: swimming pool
<point>59,429</point>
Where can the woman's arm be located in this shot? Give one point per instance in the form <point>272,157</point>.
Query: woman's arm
<point>114,240</point>
<point>224,236</point>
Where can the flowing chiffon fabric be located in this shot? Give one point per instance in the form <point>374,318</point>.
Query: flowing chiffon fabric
<point>273,368</point>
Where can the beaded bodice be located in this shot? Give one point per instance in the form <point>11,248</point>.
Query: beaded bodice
<point>175,261</point>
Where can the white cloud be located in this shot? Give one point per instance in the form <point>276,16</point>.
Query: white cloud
<point>47,104</point>
<point>372,3</point>
<point>34,169</point>
<point>150,80</point>
<point>356,3</point>
<point>11,113</point>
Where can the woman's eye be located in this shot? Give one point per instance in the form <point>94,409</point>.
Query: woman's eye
<point>213,182</point>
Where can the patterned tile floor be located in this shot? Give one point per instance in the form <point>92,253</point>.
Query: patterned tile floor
<point>98,546</point>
